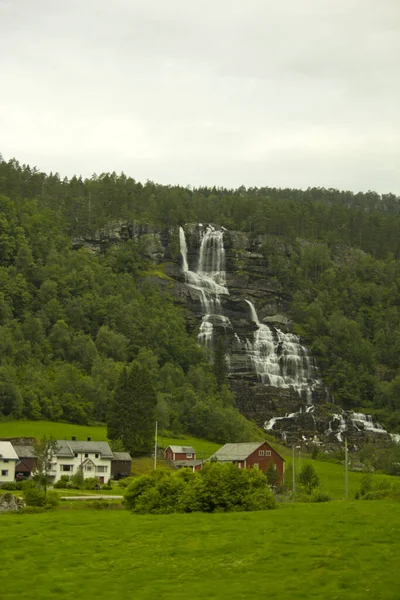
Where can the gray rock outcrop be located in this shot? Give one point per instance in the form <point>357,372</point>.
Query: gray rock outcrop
<point>10,503</point>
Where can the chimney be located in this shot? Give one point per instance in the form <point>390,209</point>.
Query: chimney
<point>73,438</point>
<point>89,439</point>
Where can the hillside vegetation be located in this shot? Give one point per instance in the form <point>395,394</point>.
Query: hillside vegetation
<point>297,552</point>
<point>69,321</point>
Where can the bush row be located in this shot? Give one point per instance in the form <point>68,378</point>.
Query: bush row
<point>216,488</point>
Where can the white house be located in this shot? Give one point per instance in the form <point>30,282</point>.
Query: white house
<point>93,458</point>
<point>8,460</point>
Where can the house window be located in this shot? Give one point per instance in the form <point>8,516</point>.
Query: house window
<point>96,456</point>
<point>88,468</point>
<point>66,468</point>
<point>268,453</point>
<point>189,455</point>
<point>256,466</point>
<point>76,454</point>
<point>101,469</point>
<point>261,453</point>
<point>86,455</point>
<point>6,460</point>
<point>4,473</point>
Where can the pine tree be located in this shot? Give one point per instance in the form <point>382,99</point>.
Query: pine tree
<point>131,415</point>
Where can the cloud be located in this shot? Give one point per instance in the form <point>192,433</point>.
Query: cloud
<point>214,92</point>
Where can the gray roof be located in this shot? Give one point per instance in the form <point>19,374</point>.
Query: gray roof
<point>67,448</point>
<point>122,456</point>
<point>231,452</point>
<point>182,449</point>
<point>188,463</point>
<point>7,451</point>
<point>24,451</point>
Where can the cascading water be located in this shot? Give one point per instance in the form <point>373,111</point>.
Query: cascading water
<point>209,279</point>
<point>277,358</point>
<point>280,360</point>
<point>360,420</point>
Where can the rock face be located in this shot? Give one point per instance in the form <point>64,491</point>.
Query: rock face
<point>10,503</point>
<point>223,280</point>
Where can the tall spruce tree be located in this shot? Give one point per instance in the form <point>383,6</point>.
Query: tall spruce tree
<point>131,416</point>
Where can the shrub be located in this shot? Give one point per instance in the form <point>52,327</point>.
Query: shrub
<point>35,496</point>
<point>90,483</point>
<point>217,488</point>
<point>52,499</point>
<point>9,486</point>
<point>125,482</point>
<point>308,478</point>
<point>320,495</point>
<point>366,484</point>
<point>63,483</point>
<point>77,480</point>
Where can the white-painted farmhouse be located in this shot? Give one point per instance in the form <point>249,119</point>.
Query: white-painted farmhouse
<point>8,460</point>
<point>93,458</point>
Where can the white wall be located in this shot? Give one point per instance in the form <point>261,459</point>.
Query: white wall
<point>76,462</point>
<point>7,466</point>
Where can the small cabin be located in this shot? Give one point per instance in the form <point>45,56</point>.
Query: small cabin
<point>179,453</point>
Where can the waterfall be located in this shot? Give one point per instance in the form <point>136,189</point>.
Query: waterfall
<point>366,423</point>
<point>280,360</point>
<point>208,279</point>
<point>277,358</point>
<point>183,248</point>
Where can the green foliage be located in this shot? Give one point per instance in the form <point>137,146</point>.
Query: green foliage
<point>34,495</point>
<point>70,321</point>
<point>90,483</point>
<point>45,450</point>
<point>308,478</point>
<point>272,475</point>
<point>77,479</point>
<point>216,488</point>
<point>63,483</point>
<point>131,416</point>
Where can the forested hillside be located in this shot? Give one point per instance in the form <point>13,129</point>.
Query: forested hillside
<point>70,321</point>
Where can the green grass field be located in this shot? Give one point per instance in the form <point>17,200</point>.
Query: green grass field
<point>300,551</point>
<point>331,475</point>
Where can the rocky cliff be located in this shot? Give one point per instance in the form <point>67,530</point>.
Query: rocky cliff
<point>251,311</point>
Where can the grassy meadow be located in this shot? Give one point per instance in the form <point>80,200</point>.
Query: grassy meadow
<point>300,551</point>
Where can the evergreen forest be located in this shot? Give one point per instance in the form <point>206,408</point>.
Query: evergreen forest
<point>74,326</point>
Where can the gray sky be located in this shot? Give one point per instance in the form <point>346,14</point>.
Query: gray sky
<point>226,92</point>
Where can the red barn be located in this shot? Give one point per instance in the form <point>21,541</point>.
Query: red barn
<point>180,453</point>
<point>251,455</point>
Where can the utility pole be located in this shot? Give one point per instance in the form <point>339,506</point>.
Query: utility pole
<point>346,469</point>
<point>294,473</point>
<point>299,447</point>
<point>155,447</point>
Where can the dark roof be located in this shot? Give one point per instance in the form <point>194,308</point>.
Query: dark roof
<point>67,448</point>
<point>122,456</point>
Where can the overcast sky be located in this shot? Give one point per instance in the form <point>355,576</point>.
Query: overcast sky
<point>227,92</point>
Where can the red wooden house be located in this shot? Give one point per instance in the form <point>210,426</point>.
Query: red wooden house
<point>252,455</point>
<point>180,453</point>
